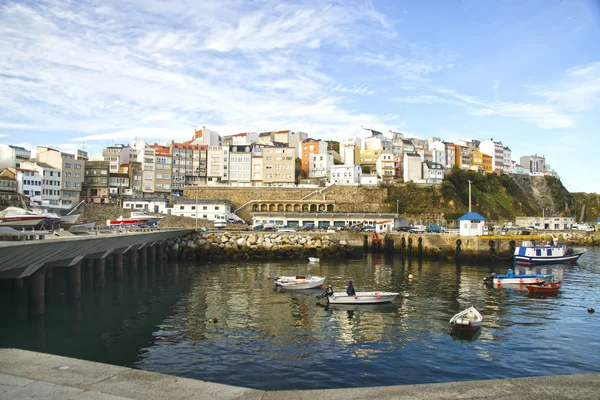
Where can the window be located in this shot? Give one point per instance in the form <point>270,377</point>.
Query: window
<point>181,207</point>
<point>216,208</point>
<point>205,208</point>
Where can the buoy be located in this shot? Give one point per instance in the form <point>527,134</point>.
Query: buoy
<point>268,276</point>
<point>521,280</point>
<point>591,310</point>
<point>410,276</point>
<point>215,320</point>
<point>378,297</point>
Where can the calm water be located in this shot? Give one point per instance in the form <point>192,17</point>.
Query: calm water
<point>161,320</point>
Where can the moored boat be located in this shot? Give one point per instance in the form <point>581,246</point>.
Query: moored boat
<point>358,297</point>
<point>546,289</point>
<point>18,218</point>
<point>299,282</point>
<point>136,218</point>
<point>551,252</point>
<point>511,279</point>
<point>70,219</point>
<point>314,259</point>
<point>466,320</point>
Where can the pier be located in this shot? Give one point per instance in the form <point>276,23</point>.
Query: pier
<point>33,260</point>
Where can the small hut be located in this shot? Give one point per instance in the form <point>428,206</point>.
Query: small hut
<point>471,224</point>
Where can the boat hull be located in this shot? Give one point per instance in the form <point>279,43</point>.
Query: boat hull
<point>362,298</point>
<point>70,219</point>
<point>466,320</point>
<point>521,280</point>
<point>532,260</point>
<point>292,283</point>
<point>25,221</point>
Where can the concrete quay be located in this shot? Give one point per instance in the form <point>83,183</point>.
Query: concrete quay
<point>31,375</point>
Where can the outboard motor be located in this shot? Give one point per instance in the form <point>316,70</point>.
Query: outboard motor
<point>489,280</point>
<point>327,293</point>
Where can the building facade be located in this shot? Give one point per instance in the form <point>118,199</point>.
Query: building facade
<point>13,156</point>
<point>345,174</point>
<point>71,173</point>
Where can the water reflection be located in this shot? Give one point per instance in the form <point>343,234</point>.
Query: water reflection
<point>228,323</point>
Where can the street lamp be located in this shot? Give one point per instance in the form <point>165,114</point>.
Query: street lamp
<point>398,208</point>
<point>469,195</point>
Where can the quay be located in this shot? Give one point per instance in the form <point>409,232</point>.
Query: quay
<point>33,260</point>
<point>27,375</point>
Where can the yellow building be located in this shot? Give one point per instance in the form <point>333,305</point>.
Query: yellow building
<point>369,157</point>
<point>487,162</point>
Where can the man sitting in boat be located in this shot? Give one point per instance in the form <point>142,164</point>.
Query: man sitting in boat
<point>350,290</point>
<point>510,273</point>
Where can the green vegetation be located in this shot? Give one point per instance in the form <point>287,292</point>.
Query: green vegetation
<point>496,197</point>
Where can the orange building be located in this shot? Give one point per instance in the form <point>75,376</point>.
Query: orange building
<point>311,147</point>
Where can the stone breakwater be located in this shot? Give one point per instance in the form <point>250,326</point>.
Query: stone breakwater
<point>228,245</point>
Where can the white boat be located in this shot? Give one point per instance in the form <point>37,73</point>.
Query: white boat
<point>136,218</point>
<point>466,320</point>
<point>362,298</point>
<point>16,217</point>
<point>551,252</point>
<point>82,226</point>
<point>299,282</point>
<point>314,259</point>
<point>511,279</point>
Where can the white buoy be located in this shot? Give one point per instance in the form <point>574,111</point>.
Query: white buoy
<point>410,276</point>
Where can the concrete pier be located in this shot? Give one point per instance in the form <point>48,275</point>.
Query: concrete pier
<point>36,286</point>
<point>118,266</point>
<point>99,273</point>
<point>75,282</point>
<point>26,374</point>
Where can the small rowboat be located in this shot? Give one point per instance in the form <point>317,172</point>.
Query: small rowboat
<point>362,298</point>
<point>546,289</point>
<point>314,259</point>
<point>466,320</point>
<point>299,282</point>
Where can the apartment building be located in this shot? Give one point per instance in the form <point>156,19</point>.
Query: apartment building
<point>350,150</point>
<point>119,185</point>
<point>118,155</point>
<point>345,174</point>
<point>51,180</point>
<point>439,152</point>
<point>163,167</point>
<point>506,160</point>
<point>295,140</point>
<point>71,169</point>
<point>257,168</point>
<point>246,138</point>
<point>12,156</point>
<point>369,157</point>
<point>282,137</point>
<point>29,183</point>
<point>433,172</point>
<point>311,147</point>
<point>240,165</point>
<point>385,167</point>
<point>96,184</point>
<point>265,138</point>
<point>320,165</point>
<point>217,165</point>
<point>146,160</point>
<point>207,137</point>
<point>189,165</point>
<point>496,151</point>
<point>536,164</point>
<point>279,165</point>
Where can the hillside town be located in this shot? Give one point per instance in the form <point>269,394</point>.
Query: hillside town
<point>157,174</point>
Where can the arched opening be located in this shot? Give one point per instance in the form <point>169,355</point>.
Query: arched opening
<point>272,207</point>
<point>321,207</point>
<point>313,208</point>
<point>263,207</point>
<point>329,207</point>
<point>297,208</point>
<point>255,207</point>
<point>288,208</point>
<point>280,207</point>
<point>304,207</point>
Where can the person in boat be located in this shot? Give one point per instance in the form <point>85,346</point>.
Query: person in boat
<point>350,290</point>
<point>510,273</point>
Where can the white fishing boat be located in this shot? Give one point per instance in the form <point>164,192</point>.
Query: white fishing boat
<point>361,298</point>
<point>314,259</point>
<point>16,217</point>
<point>136,218</point>
<point>299,282</point>
<point>466,320</point>
<point>551,252</point>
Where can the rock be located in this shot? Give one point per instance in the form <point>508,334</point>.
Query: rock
<point>241,242</point>
<point>200,242</point>
<point>252,239</point>
<point>343,243</point>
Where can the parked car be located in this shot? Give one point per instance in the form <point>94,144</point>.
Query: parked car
<point>367,228</point>
<point>286,229</point>
<point>435,228</point>
<point>307,227</point>
<point>417,229</point>
<point>404,228</point>
<point>257,227</point>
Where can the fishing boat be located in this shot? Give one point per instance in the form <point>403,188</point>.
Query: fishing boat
<point>551,252</point>
<point>546,289</point>
<point>358,297</point>
<point>70,219</point>
<point>314,259</point>
<point>136,218</point>
<point>18,218</point>
<point>299,282</point>
<point>466,320</point>
<point>511,279</point>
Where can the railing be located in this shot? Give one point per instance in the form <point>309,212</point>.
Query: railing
<point>454,232</point>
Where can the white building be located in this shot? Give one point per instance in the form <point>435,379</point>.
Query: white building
<point>207,137</point>
<point>345,174</point>
<point>50,182</point>
<point>439,152</point>
<point>377,141</point>
<point>412,167</point>
<point>12,156</point>
<point>148,204</point>
<point>29,183</point>
<point>494,150</point>
<point>368,180</point>
<point>118,184</point>
<point>507,160</point>
<point>217,165</point>
<point>534,163</point>
<point>433,172</point>
<point>119,154</point>
<point>147,158</point>
<point>319,165</point>
<point>213,210</point>
<point>240,165</point>
<point>471,224</point>
<point>71,173</point>
<point>244,138</point>
<point>350,150</point>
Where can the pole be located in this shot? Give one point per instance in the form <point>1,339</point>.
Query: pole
<point>196,206</point>
<point>397,207</point>
<point>469,195</point>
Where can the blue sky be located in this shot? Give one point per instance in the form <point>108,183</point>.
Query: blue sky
<point>93,73</point>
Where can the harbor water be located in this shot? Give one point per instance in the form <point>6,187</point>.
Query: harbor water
<point>227,323</point>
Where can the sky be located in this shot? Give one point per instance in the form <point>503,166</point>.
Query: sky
<point>87,74</point>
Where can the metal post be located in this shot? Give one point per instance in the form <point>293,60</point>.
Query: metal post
<point>196,205</point>
<point>397,207</point>
<point>469,195</point>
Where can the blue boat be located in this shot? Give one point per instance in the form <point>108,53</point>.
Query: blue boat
<point>550,253</point>
<point>511,279</point>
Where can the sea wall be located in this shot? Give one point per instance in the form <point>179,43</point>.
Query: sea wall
<point>244,245</point>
